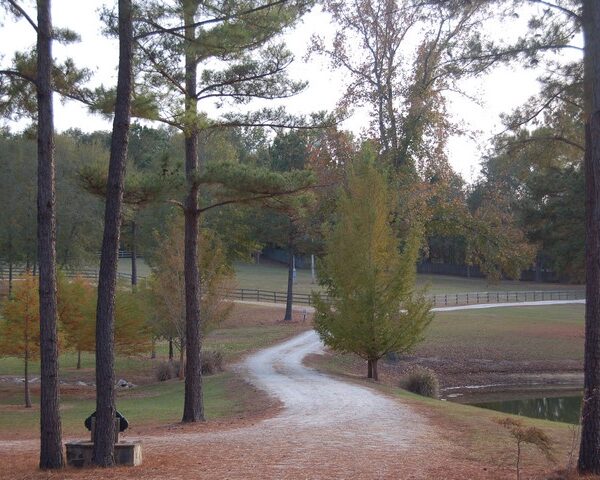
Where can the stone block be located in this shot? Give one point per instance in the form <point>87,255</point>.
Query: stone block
<point>79,454</point>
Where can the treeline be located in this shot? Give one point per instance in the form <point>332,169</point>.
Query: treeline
<point>527,200</point>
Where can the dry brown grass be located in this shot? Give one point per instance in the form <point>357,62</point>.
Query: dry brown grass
<point>248,315</point>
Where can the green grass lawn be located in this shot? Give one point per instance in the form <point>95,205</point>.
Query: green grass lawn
<point>151,404</point>
<point>273,277</point>
<point>143,270</point>
<point>233,342</point>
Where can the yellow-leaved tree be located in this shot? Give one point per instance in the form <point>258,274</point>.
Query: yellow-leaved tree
<point>373,307</point>
<point>77,311</point>
<point>132,333</point>
<point>20,326</point>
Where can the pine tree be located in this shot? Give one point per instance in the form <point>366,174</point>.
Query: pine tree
<point>104,434</point>
<point>374,309</point>
<point>237,36</point>
<point>589,452</point>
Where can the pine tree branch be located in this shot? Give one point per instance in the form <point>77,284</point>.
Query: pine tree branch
<point>533,115</point>
<point>175,30</point>
<point>162,71</point>
<point>257,197</point>
<point>560,8</point>
<point>14,73</point>
<point>17,7</point>
<point>242,79</point>
<point>236,123</point>
<point>547,138</point>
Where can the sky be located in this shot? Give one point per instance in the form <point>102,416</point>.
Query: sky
<point>500,91</point>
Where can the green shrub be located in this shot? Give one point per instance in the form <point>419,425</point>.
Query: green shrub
<point>422,381</point>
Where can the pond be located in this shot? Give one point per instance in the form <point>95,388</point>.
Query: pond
<point>559,409</point>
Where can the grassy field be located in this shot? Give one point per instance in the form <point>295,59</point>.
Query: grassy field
<point>510,347</point>
<point>143,270</point>
<point>159,403</point>
<point>549,333</point>
<point>273,276</point>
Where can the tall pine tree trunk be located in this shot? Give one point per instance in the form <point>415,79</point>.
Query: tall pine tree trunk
<point>51,451</point>
<point>289,299</point>
<point>193,408</point>
<point>10,268</point>
<point>27,393</point>
<point>181,371</point>
<point>133,256</point>
<point>104,434</point>
<point>589,452</point>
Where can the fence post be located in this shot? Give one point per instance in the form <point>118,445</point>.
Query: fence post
<point>446,299</point>
<point>242,294</point>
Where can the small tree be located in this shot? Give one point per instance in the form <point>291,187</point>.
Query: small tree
<point>527,435</point>
<point>168,285</point>
<point>76,309</point>
<point>132,334</point>
<point>374,309</point>
<point>20,329</point>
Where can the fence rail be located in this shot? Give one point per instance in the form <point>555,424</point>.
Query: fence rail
<point>478,298</point>
<point>437,300</point>
<point>255,295</point>
<point>85,273</point>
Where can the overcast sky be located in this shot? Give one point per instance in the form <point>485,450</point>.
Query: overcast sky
<point>500,91</point>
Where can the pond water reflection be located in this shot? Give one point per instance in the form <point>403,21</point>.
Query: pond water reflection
<point>558,409</point>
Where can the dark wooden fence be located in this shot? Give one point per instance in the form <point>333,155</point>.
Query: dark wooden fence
<point>270,296</point>
<point>438,300</point>
<point>478,298</point>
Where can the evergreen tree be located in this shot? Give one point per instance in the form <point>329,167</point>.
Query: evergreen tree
<point>374,308</point>
<point>239,37</point>
<point>589,452</point>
